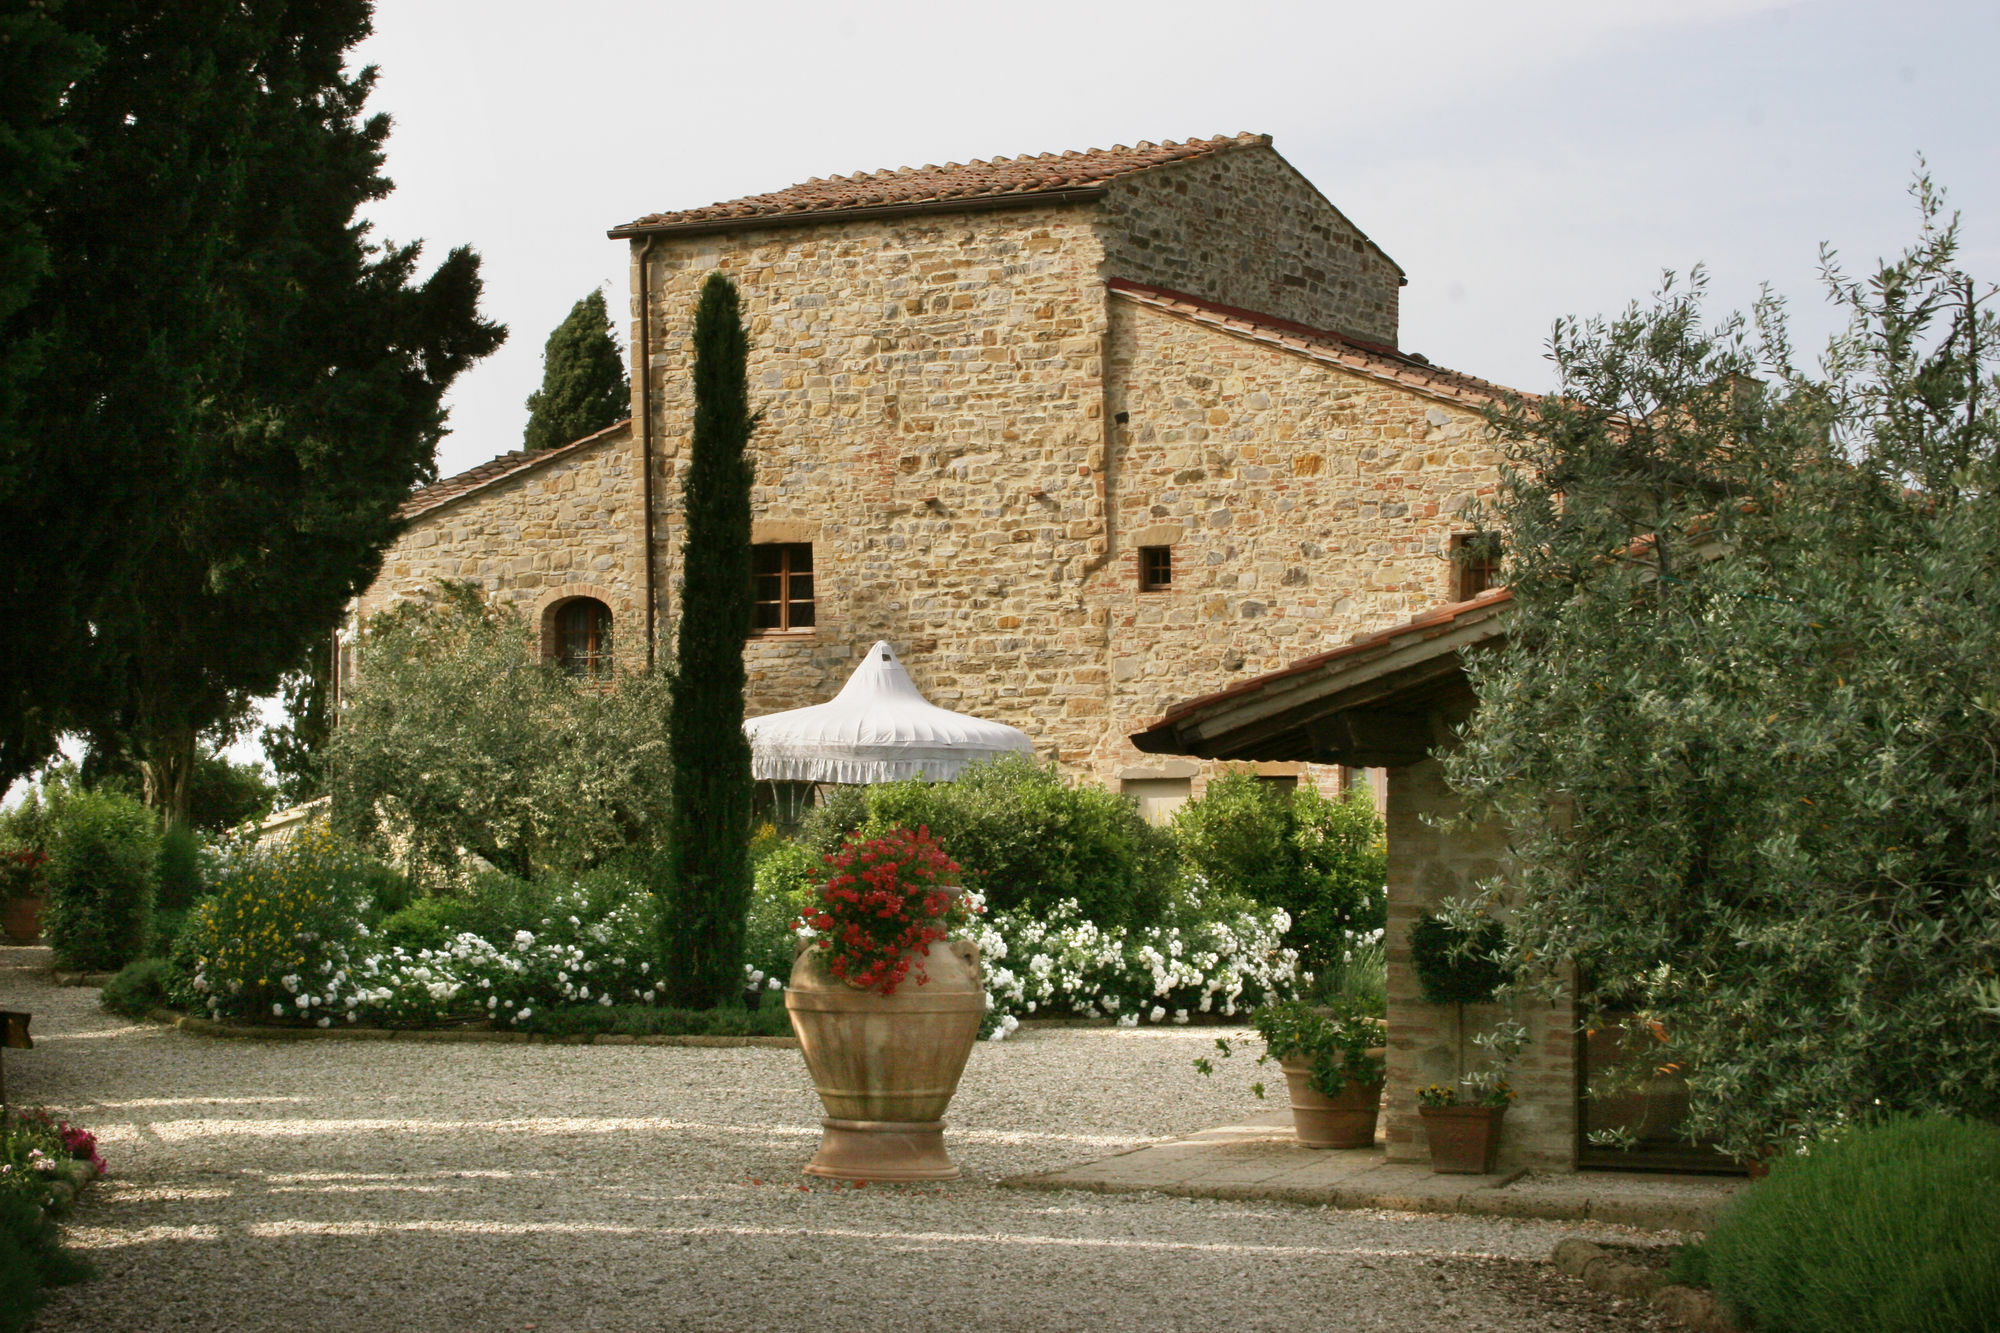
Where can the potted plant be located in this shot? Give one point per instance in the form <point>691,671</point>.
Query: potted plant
<point>1464,1134</point>
<point>23,893</point>
<point>886,997</point>
<point>1332,1057</point>
<point>1460,963</point>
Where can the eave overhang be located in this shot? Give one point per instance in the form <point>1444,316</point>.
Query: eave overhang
<point>1374,703</point>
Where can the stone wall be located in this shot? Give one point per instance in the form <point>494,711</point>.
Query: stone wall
<point>937,423</point>
<point>932,401</point>
<point>1426,1041</point>
<point>934,422</point>
<point>1304,504</point>
<point>570,527</point>
<point>1241,228</point>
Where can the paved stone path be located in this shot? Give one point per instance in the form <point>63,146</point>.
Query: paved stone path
<point>1260,1158</point>
<point>415,1186</point>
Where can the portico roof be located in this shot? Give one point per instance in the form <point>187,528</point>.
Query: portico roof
<point>1368,704</point>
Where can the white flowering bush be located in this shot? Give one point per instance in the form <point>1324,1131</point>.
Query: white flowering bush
<point>285,942</point>
<point>1059,965</point>
<point>278,935</point>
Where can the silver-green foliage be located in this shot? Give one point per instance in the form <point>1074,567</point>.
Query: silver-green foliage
<point>1746,727</point>
<point>458,739</point>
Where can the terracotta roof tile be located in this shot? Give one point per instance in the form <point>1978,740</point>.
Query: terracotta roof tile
<point>1434,623</point>
<point>1376,360</point>
<point>994,178</point>
<point>427,498</point>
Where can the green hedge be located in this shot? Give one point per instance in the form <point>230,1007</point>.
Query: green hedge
<point>1323,861</point>
<point>180,871</point>
<point>1892,1226</point>
<point>103,849</point>
<point>140,987</point>
<point>1025,838</point>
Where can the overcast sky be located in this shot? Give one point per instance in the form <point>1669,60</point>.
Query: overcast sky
<point>1521,161</point>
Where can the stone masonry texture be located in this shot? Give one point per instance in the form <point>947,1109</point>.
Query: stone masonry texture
<point>978,435</point>
<point>571,527</point>
<point>1242,228</point>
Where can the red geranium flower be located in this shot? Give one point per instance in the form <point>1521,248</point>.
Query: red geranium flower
<point>877,938</point>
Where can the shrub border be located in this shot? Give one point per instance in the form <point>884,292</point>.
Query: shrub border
<point>208,1027</point>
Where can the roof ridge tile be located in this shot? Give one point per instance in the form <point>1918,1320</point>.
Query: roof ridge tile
<point>1026,175</point>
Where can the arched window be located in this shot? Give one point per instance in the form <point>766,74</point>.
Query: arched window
<point>583,637</point>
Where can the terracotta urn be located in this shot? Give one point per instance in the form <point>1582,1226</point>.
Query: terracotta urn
<point>1464,1139</point>
<point>21,918</point>
<point>886,1066</point>
<point>1344,1120</point>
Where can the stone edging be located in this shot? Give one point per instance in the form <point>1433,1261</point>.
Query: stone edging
<point>1597,1269</point>
<point>1485,1200</point>
<point>208,1027</point>
<point>71,1178</point>
<point>97,979</point>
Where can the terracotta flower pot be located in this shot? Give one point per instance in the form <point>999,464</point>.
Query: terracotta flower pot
<point>1344,1120</point>
<point>1464,1139</point>
<point>886,1066</point>
<point>21,919</point>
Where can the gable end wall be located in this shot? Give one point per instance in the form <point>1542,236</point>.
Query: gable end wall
<point>1242,228</point>
<point>570,528</point>
<point>932,399</point>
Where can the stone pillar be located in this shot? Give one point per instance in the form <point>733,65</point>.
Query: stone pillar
<point>1426,866</point>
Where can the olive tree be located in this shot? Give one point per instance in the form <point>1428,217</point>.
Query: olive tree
<point>1746,726</point>
<point>458,739</point>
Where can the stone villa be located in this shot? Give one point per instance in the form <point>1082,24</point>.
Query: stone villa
<point>1082,434</point>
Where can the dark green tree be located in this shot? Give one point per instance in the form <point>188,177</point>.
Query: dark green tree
<point>1743,729</point>
<point>39,60</point>
<point>584,388</point>
<point>709,828</point>
<point>235,387</point>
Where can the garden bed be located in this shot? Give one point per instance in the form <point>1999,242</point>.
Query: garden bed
<point>45,1164</point>
<point>471,1032</point>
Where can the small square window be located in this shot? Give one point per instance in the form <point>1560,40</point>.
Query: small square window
<point>1475,564</point>
<point>1156,568</point>
<point>781,587</point>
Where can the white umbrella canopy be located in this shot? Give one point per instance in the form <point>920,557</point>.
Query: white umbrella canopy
<point>879,728</point>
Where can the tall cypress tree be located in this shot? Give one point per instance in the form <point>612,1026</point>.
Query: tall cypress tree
<point>709,830</point>
<point>584,388</point>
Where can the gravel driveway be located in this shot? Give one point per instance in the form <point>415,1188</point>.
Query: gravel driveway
<point>393,1186</point>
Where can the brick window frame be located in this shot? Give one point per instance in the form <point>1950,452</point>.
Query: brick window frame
<point>1475,565</point>
<point>578,635</point>
<point>783,595</point>
<point>548,621</point>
